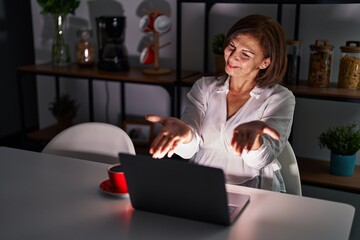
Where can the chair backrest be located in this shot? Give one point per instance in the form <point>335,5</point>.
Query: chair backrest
<point>290,170</point>
<point>94,141</point>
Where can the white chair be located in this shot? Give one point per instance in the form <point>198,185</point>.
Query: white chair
<point>290,170</point>
<point>94,141</point>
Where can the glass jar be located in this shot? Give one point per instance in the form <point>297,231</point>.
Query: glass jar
<point>85,50</point>
<point>349,70</point>
<point>320,63</point>
<point>293,66</point>
<point>60,51</point>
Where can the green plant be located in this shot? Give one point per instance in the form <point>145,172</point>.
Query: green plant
<point>218,43</point>
<point>63,106</point>
<point>58,6</point>
<point>341,140</point>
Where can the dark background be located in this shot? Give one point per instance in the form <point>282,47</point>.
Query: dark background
<point>16,49</point>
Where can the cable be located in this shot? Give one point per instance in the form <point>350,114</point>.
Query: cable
<point>107,102</point>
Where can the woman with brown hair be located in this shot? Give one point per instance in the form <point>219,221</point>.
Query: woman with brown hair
<point>239,121</point>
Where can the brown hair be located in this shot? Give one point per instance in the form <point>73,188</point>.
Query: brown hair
<point>272,41</point>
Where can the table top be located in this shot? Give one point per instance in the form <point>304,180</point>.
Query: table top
<point>51,197</point>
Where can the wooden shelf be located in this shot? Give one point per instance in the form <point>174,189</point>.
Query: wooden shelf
<point>134,75</point>
<point>316,172</point>
<point>329,93</point>
<point>45,134</point>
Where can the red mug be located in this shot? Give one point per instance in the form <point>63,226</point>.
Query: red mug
<point>147,23</point>
<point>117,178</point>
<point>147,56</point>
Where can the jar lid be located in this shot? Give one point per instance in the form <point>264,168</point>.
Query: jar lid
<point>351,47</point>
<point>84,33</point>
<point>293,42</point>
<point>322,46</point>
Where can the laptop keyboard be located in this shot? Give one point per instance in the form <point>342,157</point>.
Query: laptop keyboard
<point>232,208</point>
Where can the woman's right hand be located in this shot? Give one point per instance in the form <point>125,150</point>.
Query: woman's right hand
<point>173,133</point>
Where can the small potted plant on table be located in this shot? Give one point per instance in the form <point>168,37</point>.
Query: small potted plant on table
<point>343,143</point>
<point>64,110</point>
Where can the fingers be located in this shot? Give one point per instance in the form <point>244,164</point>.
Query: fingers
<point>172,149</point>
<point>242,141</point>
<point>248,137</point>
<point>163,145</point>
<point>172,133</point>
<point>154,119</point>
<point>272,133</point>
<point>155,144</point>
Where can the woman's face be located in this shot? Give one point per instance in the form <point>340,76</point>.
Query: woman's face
<point>244,57</point>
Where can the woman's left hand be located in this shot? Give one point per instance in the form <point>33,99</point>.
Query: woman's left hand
<point>247,136</point>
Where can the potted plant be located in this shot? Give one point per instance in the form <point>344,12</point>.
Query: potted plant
<point>60,52</point>
<point>64,110</point>
<point>58,6</point>
<point>343,143</point>
<point>217,45</point>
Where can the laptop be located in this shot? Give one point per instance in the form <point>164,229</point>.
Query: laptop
<point>177,188</point>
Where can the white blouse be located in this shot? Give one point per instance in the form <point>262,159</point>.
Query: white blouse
<point>205,112</point>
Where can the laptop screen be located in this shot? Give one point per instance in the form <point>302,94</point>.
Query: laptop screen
<point>177,188</point>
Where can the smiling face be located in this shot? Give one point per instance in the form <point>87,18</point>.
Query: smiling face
<point>244,57</point>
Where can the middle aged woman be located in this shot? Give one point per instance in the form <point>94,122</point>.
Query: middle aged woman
<point>239,121</point>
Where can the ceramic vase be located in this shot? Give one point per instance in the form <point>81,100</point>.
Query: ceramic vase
<point>60,52</point>
<point>342,165</point>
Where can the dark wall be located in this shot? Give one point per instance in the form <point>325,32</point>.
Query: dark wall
<point>16,49</point>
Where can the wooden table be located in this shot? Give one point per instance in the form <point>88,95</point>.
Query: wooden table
<point>316,172</point>
<point>45,196</point>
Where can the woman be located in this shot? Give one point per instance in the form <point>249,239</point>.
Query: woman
<point>240,121</point>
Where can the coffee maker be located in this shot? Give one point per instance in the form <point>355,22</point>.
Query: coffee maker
<point>112,51</point>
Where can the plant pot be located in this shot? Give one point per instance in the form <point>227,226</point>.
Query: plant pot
<point>64,121</point>
<point>342,165</point>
